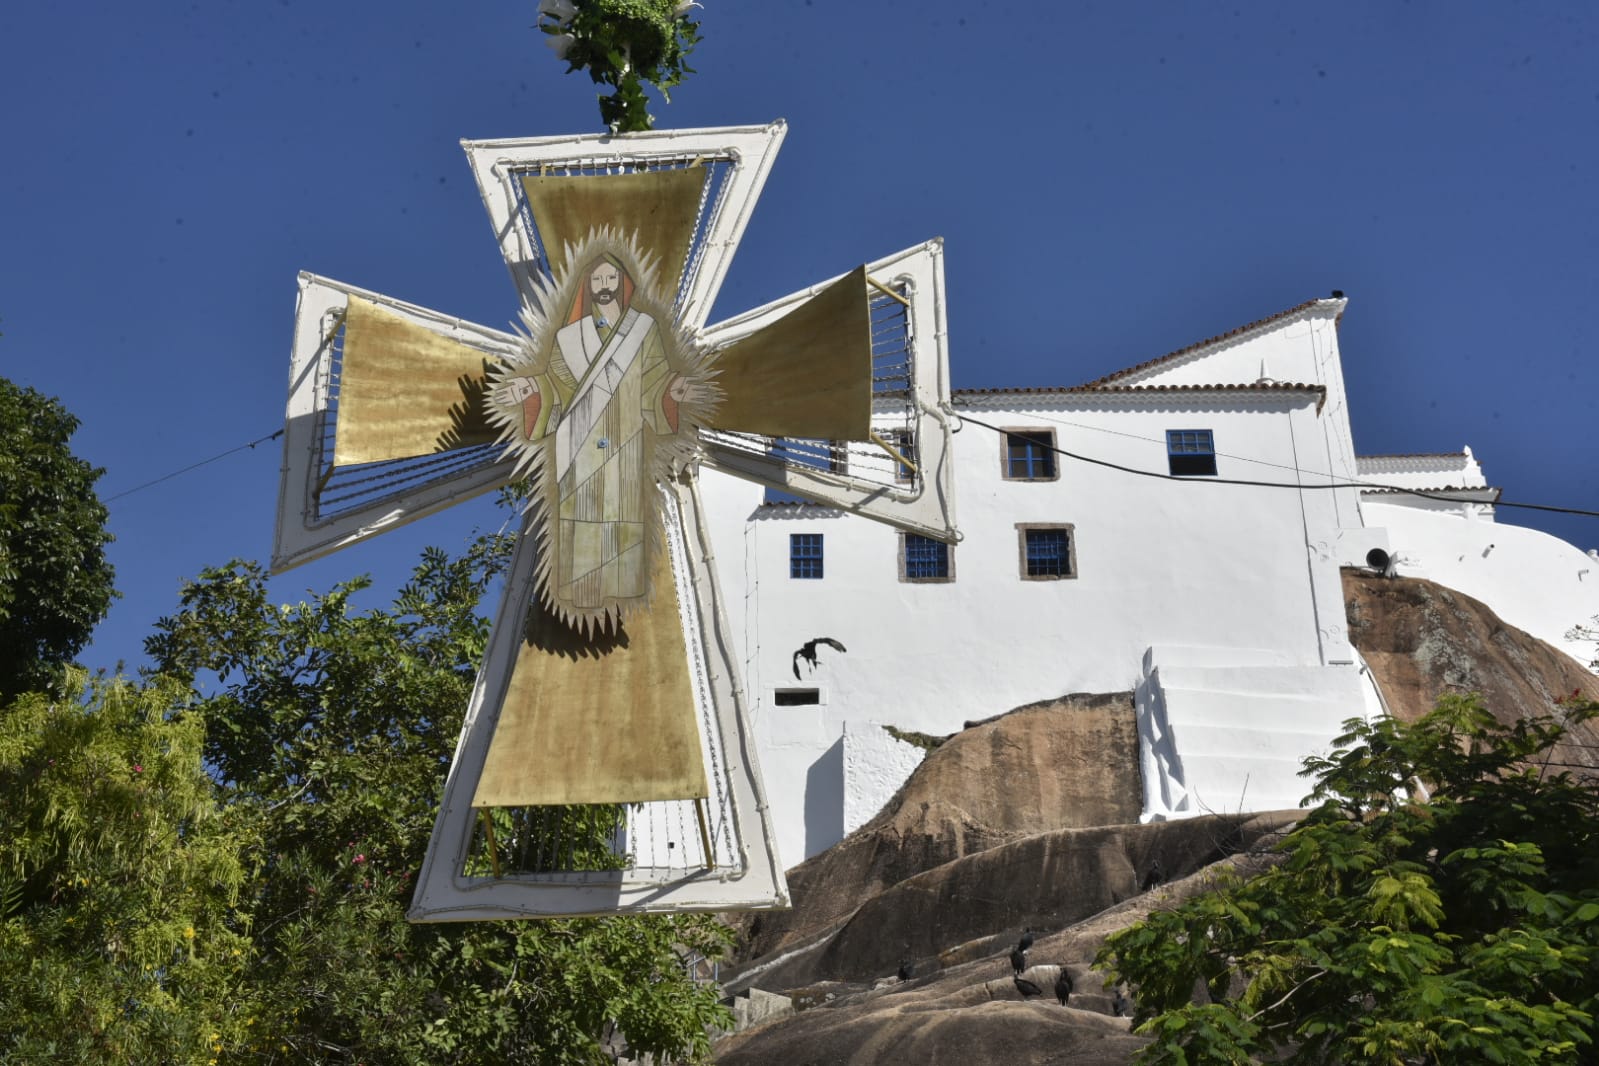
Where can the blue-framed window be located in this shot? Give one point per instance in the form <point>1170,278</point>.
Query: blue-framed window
<point>1030,455</point>
<point>1047,552</point>
<point>1191,452</point>
<point>805,555</point>
<point>904,442</point>
<point>924,559</point>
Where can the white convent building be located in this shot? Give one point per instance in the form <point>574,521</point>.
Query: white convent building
<point>1218,604</point>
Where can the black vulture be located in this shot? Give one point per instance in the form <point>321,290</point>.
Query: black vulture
<point>808,652</point>
<point>1027,939</point>
<point>904,969</point>
<point>1063,986</point>
<point>1018,959</point>
<point>1155,877</point>
<point>1121,1007</point>
<point>1027,988</point>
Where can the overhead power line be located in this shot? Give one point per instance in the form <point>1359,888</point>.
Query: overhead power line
<point>1424,494</point>
<point>194,466</point>
<point>1330,484</point>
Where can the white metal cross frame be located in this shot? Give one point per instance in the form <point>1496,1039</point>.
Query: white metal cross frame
<point>714,854</point>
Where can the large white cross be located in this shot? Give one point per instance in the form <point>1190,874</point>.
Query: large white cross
<point>396,411</point>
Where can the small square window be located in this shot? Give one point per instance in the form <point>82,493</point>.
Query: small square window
<point>1029,455</point>
<point>805,555</point>
<point>924,559</point>
<point>1190,452</point>
<point>1047,552</point>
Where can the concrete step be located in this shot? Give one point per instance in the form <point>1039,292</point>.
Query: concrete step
<point>1272,713</point>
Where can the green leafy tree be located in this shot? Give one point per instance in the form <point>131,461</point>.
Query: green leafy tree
<point>55,581</point>
<point>1439,905</point>
<point>331,730</point>
<point>623,44</point>
<point>120,938</point>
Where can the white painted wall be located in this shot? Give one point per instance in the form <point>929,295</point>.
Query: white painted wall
<point>1220,605</point>
<point>876,764</point>
<point>1158,561</point>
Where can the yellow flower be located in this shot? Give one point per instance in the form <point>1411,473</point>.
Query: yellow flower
<point>188,934</point>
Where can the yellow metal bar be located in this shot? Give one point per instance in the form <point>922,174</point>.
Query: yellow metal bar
<point>705,834</point>
<point>885,290</point>
<point>488,836</point>
<point>891,450</point>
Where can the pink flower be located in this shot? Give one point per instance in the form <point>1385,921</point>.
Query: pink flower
<point>360,859</point>
<point>138,768</point>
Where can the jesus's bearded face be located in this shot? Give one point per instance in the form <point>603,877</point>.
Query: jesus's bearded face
<point>604,281</point>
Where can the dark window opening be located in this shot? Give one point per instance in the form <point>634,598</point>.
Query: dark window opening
<point>805,555</point>
<point>1047,552</point>
<point>796,697</point>
<point>1190,452</point>
<point>923,558</point>
<point>1030,455</point>
<point>904,442</point>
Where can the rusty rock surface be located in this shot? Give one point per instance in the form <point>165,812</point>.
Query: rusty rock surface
<point>1422,640</point>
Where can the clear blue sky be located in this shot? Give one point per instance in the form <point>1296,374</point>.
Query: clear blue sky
<point>1158,173</point>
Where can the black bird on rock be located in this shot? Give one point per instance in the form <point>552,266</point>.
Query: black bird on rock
<point>808,653</point>
<point>1063,986</point>
<point>1121,1007</point>
<point>1026,943</point>
<point>1155,877</point>
<point>904,969</point>
<point>1027,988</point>
<point>1018,960</point>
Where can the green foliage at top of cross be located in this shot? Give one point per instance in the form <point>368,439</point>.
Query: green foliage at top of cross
<point>623,44</point>
<point>1440,904</point>
<point>55,580</point>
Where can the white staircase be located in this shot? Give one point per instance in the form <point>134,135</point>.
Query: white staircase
<point>1224,730</point>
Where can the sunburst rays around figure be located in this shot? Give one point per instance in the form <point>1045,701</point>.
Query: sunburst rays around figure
<point>602,402</point>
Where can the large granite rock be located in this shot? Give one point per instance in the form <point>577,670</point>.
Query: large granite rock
<point>1066,762</point>
<point>1422,640</point>
<point>1029,820</point>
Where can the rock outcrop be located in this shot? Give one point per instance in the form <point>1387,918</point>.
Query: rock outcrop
<point>1422,640</point>
<point>1062,763</point>
<point>1030,820</point>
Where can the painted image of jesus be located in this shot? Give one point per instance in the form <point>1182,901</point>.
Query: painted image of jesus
<point>604,395</point>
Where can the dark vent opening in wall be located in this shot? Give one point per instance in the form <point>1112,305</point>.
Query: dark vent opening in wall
<point>796,697</point>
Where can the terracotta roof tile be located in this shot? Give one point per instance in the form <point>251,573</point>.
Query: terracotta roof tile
<point>1387,490</point>
<point>1081,390</point>
<point>1416,455</point>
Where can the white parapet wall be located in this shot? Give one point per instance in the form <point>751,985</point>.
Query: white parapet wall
<point>876,764</point>
<point>1530,579</point>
